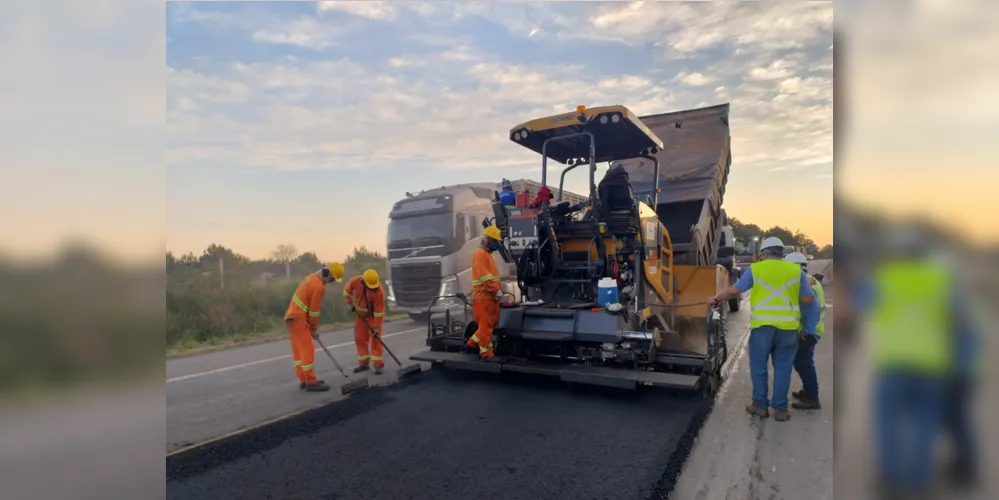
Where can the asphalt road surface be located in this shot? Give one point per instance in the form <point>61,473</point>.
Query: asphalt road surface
<point>217,393</point>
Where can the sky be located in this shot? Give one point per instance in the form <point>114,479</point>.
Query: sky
<point>302,122</point>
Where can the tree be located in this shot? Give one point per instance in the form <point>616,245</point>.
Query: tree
<point>825,252</point>
<point>742,231</point>
<point>285,253</point>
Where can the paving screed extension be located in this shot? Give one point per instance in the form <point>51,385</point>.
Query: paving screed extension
<point>455,435</point>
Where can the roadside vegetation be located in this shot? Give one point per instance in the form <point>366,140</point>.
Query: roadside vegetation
<point>745,231</point>
<point>222,299</point>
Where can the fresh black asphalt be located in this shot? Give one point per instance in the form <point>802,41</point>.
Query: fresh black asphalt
<point>455,435</point>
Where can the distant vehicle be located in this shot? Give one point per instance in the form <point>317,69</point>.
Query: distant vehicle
<point>810,257</point>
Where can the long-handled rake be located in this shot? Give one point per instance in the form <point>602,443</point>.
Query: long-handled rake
<point>404,371</point>
<point>353,385</point>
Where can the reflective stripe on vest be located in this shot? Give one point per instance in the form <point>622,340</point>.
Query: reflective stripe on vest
<point>910,321</point>
<point>774,296</point>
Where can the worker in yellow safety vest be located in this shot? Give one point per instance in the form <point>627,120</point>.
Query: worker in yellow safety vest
<point>778,290</point>
<point>911,304</point>
<point>812,326</point>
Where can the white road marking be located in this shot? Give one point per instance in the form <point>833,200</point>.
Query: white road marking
<point>286,356</point>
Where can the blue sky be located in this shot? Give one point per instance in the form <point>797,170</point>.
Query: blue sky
<point>302,122</point>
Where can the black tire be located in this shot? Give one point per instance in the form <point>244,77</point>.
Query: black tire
<point>419,317</point>
<point>733,304</point>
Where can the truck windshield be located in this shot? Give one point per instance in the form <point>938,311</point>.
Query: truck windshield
<point>420,230</point>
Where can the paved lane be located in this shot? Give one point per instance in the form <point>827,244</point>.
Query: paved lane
<point>213,394</point>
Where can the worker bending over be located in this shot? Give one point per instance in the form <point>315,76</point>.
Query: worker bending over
<point>302,321</point>
<point>778,290</point>
<point>485,293</point>
<point>366,300</point>
<point>812,326</point>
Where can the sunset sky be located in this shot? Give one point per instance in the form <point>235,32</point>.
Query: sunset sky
<point>303,122</point>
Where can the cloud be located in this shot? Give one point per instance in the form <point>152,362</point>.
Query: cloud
<point>456,109</point>
<point>693,79</point>
<point>382,11</point>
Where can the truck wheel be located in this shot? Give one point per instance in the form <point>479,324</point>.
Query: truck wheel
<point>419,317</point>
<point>733,304</point>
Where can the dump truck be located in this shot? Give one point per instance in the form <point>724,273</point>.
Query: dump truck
<point>430,240</point>
<point>660,330</point>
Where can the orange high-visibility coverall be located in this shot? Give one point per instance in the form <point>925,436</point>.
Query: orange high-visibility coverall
<point>301,318</point>
<point>369,305</point>
<point>485,307</point>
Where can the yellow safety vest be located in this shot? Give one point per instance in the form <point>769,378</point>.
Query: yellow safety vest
<point>820,297</point>
<point>775,293</point>
<point>911,319</point>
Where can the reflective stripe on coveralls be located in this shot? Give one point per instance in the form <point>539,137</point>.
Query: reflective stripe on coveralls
<point>485,306</point>
<point>911,319</point>
<point>369,306</point>
<point>775,295</point>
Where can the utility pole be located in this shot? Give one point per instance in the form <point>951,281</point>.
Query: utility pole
<point>221,273</point>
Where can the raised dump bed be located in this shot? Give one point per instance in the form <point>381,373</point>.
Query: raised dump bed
<point>693,171</point>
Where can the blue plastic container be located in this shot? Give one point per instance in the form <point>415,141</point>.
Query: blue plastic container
<point>606,292</point>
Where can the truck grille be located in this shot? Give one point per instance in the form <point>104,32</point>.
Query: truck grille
<point>416,285</point>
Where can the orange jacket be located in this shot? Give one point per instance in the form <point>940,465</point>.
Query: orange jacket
<point>485,275</point>
<point>308,299</point>
<point>369,303</point>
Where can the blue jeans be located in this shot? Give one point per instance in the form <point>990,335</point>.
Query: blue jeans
<point>908,408</point>
<point>768,342</point>
<point>804,364</point>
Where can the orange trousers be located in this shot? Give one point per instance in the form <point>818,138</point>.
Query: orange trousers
<point>302,350</point>
<point>486,312</point>
<point>368,349</point>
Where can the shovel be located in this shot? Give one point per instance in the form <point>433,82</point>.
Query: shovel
<point>404,371</point>
<point>353,385</point>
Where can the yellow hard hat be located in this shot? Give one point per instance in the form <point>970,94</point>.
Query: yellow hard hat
<point>336,270</point>
<point>492,232</point>
<point>370,278</point>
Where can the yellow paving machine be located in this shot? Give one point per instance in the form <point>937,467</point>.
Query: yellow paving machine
<point>606,298</point>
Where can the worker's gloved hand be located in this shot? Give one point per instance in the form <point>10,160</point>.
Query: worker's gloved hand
<point>376,331</point>
<point>712,301</point>
<point>499,295</point>
<point>315,333</point>
<point>353,309</point>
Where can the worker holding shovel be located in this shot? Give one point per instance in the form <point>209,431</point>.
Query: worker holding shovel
<point>366,299</point>
<point>302,321</point>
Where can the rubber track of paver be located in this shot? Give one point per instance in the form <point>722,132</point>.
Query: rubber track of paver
<point>455,435</point>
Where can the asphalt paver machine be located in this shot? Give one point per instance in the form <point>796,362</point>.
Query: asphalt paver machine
<point>659,332</point>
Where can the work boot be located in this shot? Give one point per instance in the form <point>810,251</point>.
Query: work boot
<point>301,386</point>
<point>378,370</point>
<point>360,368</point>
<point>782,415</point>
<point>756,410</point>
<point>317,386</point>
<point>806,403</point>
<point>799,394</point>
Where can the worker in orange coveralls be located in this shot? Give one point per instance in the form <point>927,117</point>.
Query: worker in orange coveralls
<point>486,293</point>
<point>366,299</point>
<point>302,321</point>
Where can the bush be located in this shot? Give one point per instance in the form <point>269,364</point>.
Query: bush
<point>200,310</point>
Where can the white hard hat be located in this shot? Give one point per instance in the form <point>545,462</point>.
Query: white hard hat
<point>797,258</point>
<point>772,242</point>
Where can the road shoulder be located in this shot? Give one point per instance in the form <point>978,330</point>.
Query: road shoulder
<point>741,456</point>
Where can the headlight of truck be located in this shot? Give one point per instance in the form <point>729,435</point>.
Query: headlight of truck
<point>388,289</point>
<point>449,286</point>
